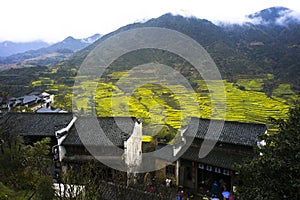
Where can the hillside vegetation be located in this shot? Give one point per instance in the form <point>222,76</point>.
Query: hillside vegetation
<point>174,104</point>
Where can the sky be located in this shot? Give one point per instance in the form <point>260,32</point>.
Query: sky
<point>54,20</point>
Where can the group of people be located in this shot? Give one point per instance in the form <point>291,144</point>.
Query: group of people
<point>180,195</point>
<point>220,191</point>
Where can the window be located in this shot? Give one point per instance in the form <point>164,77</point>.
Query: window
<point>201,166</point>
<point>217,170</point>
<point>209,168</point>
<point>55,153</point>
<point>170,170</point>
<point>226,172</point>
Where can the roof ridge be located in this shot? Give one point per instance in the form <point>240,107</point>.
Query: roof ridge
<point>228,121</point>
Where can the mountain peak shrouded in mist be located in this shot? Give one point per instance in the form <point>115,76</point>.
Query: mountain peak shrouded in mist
<point>88,40</point>
<point>74,44</point>
<point>248,49</point>
<point>274,16</point>
<point>92,38</point>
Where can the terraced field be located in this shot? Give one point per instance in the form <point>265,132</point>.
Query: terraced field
<point>172,105</point>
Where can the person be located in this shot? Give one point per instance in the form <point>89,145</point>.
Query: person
<point>168,182</point>
<point>201,187</point>
<point>179,195</point>
<point>214,189</point>
<point>222,185</point>
<point>231,197</point>
<point>150,188</point>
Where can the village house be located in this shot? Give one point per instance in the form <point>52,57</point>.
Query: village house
<point>122,138</point>
<point>235,143</point>
<point>32,101</point>
<point>34,127</point>
<point>121,145</point>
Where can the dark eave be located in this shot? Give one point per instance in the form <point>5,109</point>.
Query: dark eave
<point>218,157</point>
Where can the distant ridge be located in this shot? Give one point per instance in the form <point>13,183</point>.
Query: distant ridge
<point>249,50</point>
<point>8,48</point>
<point>59,51</point>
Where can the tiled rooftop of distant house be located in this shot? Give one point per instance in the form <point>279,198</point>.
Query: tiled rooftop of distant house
<point>232,132</point>
<point>116,130</point>
<point>37,124</point>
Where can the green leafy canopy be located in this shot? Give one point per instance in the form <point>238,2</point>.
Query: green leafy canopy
<point>274,173</point>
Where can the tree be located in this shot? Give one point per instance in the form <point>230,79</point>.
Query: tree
<point>25,167</point>
<point>36,168</point>
<point>274,173</point>
<point>11,158</point>
<point>100,182</point>
<point>44,189</point>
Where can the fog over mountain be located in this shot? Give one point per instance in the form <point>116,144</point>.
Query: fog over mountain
<point>275,15</point>
<point>269,45</point>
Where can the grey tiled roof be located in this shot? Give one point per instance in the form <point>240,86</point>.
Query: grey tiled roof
<point>232,132</point>
<point>235,142</point>
<point>48,110</point>
<point>30,98</point>
<point>39,124</point>
<point>44,110</point>
<point>116,129</point>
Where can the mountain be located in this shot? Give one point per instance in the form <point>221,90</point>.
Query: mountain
<point>71,44</point>
<point>247,50</point>
<point>48,55</point>
<point>91,39</point>
<point>274,15</point>
<point>272,43</point>
<point>8,48</point>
